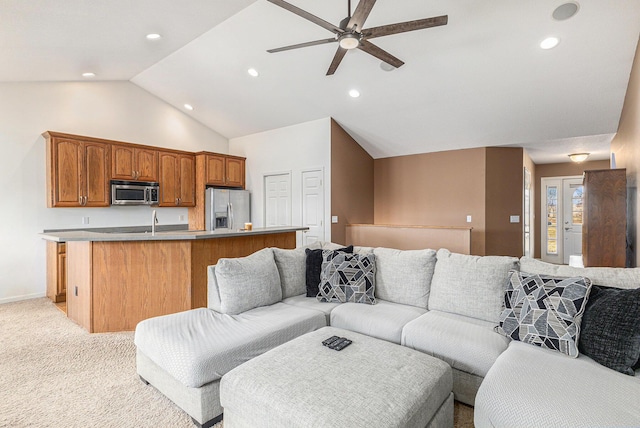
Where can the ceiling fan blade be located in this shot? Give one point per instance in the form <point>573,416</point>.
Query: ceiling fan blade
<point>381,54</point>
<point>306,15</point>
<point>303,45</point>
<point>337,58</point>
<point>360,15</point>
<point>402,27</point>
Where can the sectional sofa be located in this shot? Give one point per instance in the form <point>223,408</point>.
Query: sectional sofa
<point>447,305</point>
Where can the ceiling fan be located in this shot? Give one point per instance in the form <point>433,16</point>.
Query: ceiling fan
<point>350,33</point>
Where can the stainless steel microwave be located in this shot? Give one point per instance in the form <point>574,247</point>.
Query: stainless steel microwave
<point>134,193</point>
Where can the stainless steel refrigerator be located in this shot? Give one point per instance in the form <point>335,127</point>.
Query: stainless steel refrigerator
<point>227,209</point>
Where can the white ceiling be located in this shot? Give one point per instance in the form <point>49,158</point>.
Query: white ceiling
<point>481,80</point>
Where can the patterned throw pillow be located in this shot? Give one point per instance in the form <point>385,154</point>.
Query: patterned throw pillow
<point>545,311</point>
<point>313,268</point>
<point>347,277</point>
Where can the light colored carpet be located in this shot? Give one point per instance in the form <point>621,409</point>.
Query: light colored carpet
<point>54,374</point>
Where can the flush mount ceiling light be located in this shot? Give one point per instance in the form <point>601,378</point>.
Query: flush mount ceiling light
<point>549,43</point>
<point>253,72</point>
<point>579,157</point>
<point>188,107</point>
<point>88,75</point>
<point>565,11</point>
<point>354,93</point>
<point>153,36</point>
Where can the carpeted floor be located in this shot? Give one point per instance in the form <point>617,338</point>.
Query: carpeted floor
<point>54,374</point>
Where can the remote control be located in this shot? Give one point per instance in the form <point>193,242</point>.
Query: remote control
<point>342,345</point>
<point>336,343</point>
<point>330,340</point>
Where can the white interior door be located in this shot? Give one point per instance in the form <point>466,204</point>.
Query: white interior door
<point>277,200</point>
<point>561,224</point>
<point>573,198</point>
<point>313,206</point>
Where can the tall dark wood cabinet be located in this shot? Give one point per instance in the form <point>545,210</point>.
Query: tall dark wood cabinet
<point>604,226</point>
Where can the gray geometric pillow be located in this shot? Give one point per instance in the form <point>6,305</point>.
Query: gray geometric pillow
<point>347,277</point>
<point>545,311</point>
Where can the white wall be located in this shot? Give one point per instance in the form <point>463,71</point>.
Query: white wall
<point>112,110</point>
<point>291,149</point>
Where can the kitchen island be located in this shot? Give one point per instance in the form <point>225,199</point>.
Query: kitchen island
<point>115,280</point>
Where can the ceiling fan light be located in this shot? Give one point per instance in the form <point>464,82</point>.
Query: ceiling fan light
<point>579,157</point>
<point>349,41</point>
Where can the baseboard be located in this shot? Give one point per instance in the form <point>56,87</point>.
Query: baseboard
<point>23,297</point>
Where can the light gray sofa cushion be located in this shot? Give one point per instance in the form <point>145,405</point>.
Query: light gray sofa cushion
<point>312,303</point>
<point>470,285</point>
<point>404,276</point>
<point>245,283</point>
<point>608,277</point>
<point>466,344</point>
<point>291,267</point>
<point>199,346</point>
<point>383,320</point>
<point>544,388</point>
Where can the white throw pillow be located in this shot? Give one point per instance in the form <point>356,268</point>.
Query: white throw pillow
<point>404,276</point>
<point>473,286</point>
<point>245,283</point>
<point>292,268</point>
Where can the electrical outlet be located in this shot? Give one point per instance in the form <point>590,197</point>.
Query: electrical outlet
<point>85,220</point>
<point>468,219</point>
<point>181,218</point>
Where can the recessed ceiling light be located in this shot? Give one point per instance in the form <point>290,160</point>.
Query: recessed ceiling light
<point>153,36</point>
<point>549,43</point>
<point>565,11</point>
<point>88,75</point>
<point>253,72</point>
<point>188,107</point>
<point>354,93</point>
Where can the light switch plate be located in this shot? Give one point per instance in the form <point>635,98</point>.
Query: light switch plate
<point>334,219</point>
<point>514,219</point>
<point>468,219</point>
<point>85,220</point>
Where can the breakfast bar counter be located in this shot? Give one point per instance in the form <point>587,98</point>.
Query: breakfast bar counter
<point>115,279</point>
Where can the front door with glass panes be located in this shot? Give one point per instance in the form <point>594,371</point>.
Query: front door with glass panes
<point>562,204</point>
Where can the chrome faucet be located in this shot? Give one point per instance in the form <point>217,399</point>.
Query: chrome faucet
<point>154,221</point>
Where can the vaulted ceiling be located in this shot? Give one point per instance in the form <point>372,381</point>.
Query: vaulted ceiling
<point>481,80</point>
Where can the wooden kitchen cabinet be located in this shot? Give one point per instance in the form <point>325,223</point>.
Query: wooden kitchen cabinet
<point>56,271</point>
<point>224,171</point>
<point>134,163</point>
<point>77,172</point>
<point>177,179</point>
<point>234,167</point>
<point>604,225</point>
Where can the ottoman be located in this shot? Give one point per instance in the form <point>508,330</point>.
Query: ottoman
<point>371,383</point>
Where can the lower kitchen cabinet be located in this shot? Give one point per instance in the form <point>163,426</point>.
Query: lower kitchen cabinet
<point>56,271</point>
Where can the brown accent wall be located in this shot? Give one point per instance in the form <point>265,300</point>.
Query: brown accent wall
<point>533,225</point>
<point>503,199</point>
<point>352,182</point>
<point>626,147</point>
<point>433,189</point>
<point>557,170</point>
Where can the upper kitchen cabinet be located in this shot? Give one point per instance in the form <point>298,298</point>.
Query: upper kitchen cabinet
<point>224,171</point>
<point>177,179</point>
<point>77,171</point>
<point>134,163</point>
